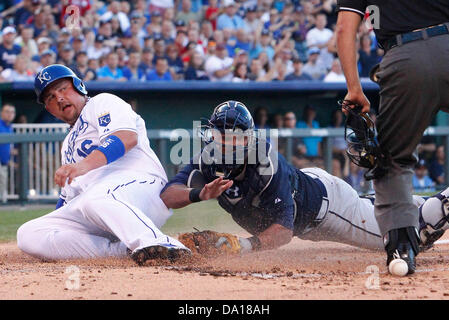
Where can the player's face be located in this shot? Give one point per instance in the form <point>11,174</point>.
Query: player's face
<point>63,101</point>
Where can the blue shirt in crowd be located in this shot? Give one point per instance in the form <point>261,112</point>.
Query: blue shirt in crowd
<point>8,56</point>
<point>107,72</point>
<point>5,148</point>
<point>153,76</point>
<point>311,143</point>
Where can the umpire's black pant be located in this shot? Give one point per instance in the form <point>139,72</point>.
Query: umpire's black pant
<point>414,86</point>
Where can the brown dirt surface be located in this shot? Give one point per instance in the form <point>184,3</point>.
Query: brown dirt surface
<point>300,270</point>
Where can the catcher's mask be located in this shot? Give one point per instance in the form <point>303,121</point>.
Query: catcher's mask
<point>361,137</point>
<point>228,136</point>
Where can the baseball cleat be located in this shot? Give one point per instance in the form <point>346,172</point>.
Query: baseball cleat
<point>158,252</point>
<point>429,237</point>
<point>402,244</point>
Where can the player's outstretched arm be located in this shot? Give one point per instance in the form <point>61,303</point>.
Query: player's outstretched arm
<point>114,147</point>
<point>178,195</point>
<point>275,236</point>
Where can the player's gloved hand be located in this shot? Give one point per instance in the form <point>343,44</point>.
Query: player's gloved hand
<point>229,244</point>
<point>68,172</point>
<point>210,243</point>
<point>215,188</point>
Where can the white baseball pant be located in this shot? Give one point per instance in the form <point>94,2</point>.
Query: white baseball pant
<point>106,219</point>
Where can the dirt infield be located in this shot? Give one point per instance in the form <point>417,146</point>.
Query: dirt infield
<point>300,270</point>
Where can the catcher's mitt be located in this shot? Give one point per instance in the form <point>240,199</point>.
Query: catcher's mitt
<point>209,242</point>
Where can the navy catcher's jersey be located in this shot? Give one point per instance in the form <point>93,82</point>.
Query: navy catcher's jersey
<point>281,195</point>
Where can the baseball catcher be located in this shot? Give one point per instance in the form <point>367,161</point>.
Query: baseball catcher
<point>275,201</point>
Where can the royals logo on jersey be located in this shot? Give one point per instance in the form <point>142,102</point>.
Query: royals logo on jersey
<point>104,119</point>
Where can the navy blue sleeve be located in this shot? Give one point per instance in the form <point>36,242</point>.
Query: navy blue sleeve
<point>277,197</point>
<point>183,176</point>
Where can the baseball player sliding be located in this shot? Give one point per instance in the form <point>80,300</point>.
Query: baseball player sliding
<point>274,201</point>
<point>110,180</point>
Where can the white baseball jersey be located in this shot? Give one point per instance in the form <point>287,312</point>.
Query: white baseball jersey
<point>103,115</point>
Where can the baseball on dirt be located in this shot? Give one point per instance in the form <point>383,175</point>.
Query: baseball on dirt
<point>398,267</point>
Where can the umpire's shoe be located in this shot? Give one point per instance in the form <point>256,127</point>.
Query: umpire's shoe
<point>158,252</point>
<point>402,244</point>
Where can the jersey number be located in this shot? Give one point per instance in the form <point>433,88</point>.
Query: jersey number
<point>86,148</point>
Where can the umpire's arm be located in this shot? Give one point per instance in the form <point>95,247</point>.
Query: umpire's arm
<point>348,23</point>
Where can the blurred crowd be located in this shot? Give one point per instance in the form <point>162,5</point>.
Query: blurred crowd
<point>172,40</point>
<point>308,152</point>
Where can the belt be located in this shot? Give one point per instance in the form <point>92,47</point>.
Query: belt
<point>426,33</point>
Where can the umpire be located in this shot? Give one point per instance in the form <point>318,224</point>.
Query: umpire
<point>414,85</point>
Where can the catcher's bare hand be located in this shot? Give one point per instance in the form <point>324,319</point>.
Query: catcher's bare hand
<point>215,188</point>
<point>68,172</point>
<point>358,98</point>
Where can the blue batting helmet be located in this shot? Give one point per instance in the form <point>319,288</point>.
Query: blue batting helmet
<point>55,72</point>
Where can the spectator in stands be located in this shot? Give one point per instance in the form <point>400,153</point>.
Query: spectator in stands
<point>368,56</point>
<point>219,67</point>
<point>195,69</point>
<point>47,58</point>
<point>252,22</point>
<point>159,48</point>
<point>279,70</point>
<point>313,144</point>
<point>436,167</point>
<point>132,71</point>
<point>241,43</point>
<point>20,72</point>
<point>24,13</point>
<point>26,40</point>
<point>175,64</point>
<point>256,72</point>
<point>212,13</point>
<point>115,12</point>
<point>111,71</point>
<point>319,37</point>
<point>159,6</point>
<point>43,44</point>
<point>421,181</point>
<point>261,118</point>
<point>240,73</point>
<point>155,25</point>
<point>167,32</point>
<point>339,144</point>
<point>66,55</point>
<point>297,73</point>
<point>78,44</point>
<point>8,50</point>
<point>160,72</point>
<point>206,33</point>
<point>355,178</point>
<point>186,14</point>
<point>277,121</point>
<point>81,68</point>
<point>312,68</point>
<point>147,60</point>
<point>229,18</point>
<point>98,49</point>
<point>264,45</point>
<point>193,36</point>
<point>299,150</point>
<point>336,73</point>
<point>8,113</point>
